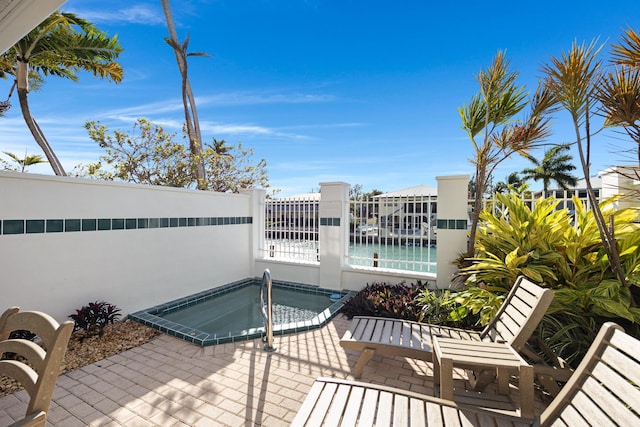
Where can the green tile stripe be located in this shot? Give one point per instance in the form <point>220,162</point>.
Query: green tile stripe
<point>330,222</point>
<point>452,224</point>
<point>69,225</point>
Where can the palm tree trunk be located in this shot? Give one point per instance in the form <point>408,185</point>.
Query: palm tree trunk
<point>477,208</point>
<point>608,240</point>
<point>23,92</point>
<point>188,101</point>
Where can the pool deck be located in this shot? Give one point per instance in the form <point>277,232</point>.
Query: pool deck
<point>168,382</point>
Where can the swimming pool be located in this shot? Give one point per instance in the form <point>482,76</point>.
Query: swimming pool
<point>232,312</point>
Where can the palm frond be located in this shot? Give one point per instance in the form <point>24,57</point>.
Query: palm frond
<point>628,52</point>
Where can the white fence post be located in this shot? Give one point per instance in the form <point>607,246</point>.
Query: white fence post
<point>257,206</point>
<point>453,220</point>
<point>333,233</point>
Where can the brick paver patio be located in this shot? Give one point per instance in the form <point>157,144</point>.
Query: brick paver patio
<point>169,382</point>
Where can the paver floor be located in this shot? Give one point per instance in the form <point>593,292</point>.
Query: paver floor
<point>169,382</point>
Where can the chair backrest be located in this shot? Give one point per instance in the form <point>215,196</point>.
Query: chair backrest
<point>35,367</point>
<point>522,310</point>
<point>604,388</point>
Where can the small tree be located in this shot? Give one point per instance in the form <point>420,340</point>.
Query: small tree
<point>573,79</point>
<point>149,155</point>
<point>230,168</point>
<point>146,156</point>
<point>489,122</point>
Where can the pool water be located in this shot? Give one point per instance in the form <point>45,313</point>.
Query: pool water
<point>232,312</point>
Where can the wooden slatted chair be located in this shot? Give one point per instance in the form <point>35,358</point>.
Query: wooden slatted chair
<point>519,315</point>
<point>35,367</point>
<point>604,390</point>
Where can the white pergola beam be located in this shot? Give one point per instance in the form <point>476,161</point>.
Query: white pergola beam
<point>18,17</point>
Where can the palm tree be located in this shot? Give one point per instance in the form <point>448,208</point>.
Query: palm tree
<point>221,149</point>
<point>28,160</point>
<point>491,114</point>
<point>513,181</point>
<point>60,46</point>
<point>572,78</point>
<point>555,166</point>
<point>188,100</point>
<point>619,91</point>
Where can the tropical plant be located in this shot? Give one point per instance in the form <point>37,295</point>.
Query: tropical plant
<point>61,46</point>
<point>628,51</point>
<point>555,166</point>
<point>557,250</point>
<point>439,307</point>
<point>573,78</point>
<point>24,163</point>
<point>619,91</point>
<point>192,123</point>
<point>385,300</point>
<point>94,317</point>
<point>495,135</point>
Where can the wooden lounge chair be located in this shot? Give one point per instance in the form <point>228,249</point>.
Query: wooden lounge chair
<point>602,391</point>
<point>519,315</point>
<point>34,367</point>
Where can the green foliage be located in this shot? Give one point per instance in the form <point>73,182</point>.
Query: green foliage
<point>149,155</point>
<point>489,120</point>
<point>440,307</point>
<point>569,335</point>
<point>383,300</point>
<point>518,240</point>
<point>94,317</point>
<point>561,251</point>
<point>555,166</point>
<point>22,164</point>
<point>230,168</point>
<point>478,303</point>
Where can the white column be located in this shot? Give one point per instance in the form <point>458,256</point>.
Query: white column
<point>256,237</point>
<point>333,232</point>
<point>453,221</point>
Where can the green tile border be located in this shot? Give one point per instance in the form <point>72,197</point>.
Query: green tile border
<point>71,225</point>
<point>330,222</point>
<point>452,224</point>
<point>151,316</point>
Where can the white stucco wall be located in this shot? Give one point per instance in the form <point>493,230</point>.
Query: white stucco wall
<point>135,268</point>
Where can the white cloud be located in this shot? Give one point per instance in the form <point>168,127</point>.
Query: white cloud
<point>136,14</point>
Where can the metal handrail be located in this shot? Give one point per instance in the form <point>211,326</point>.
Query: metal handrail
<point>267,307</point>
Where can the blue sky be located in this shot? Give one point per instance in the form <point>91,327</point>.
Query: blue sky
<point>337,90</point>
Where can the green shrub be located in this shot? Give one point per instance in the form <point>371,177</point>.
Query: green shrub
<point>94,317</point>
<point>564,252</point>
<point>384,300</point>
<point>440,307</point>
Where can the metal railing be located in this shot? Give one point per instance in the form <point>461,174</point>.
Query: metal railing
<point>396,232</point>
<point>267,309</point>
<point>291,228</point>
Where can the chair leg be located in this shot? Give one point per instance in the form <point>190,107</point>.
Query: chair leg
<point>366,355</point>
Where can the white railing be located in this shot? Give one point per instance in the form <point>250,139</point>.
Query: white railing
<point>291,228</point>
<point>393,232</point>
<point>396,232</point>
<point>565,198</point>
